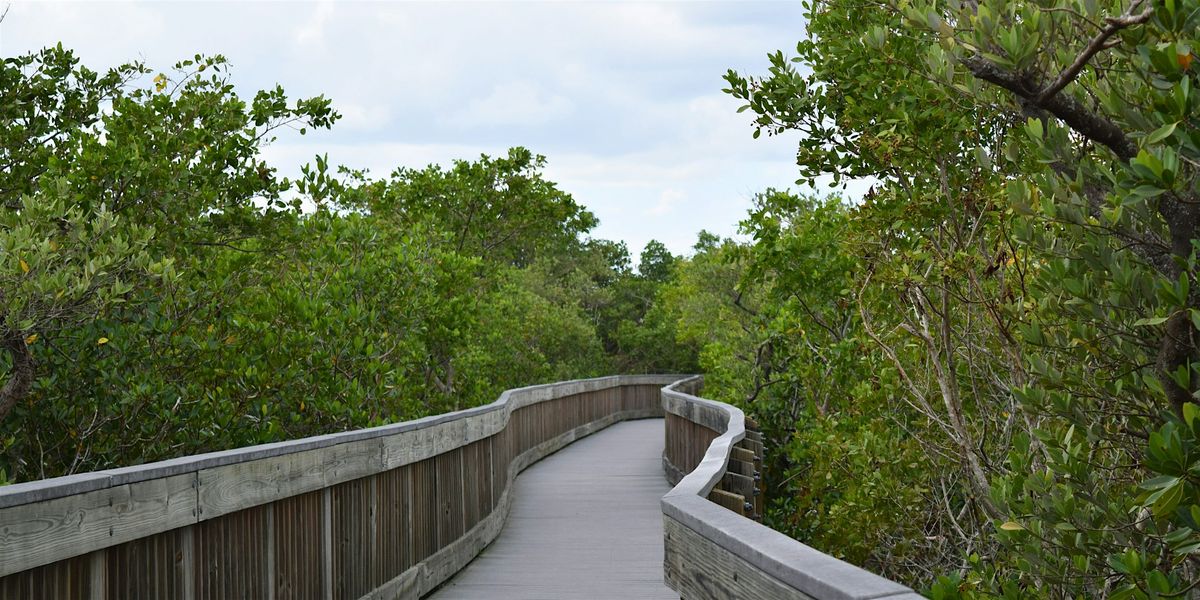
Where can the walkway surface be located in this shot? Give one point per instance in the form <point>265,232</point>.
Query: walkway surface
<point>585,523</point>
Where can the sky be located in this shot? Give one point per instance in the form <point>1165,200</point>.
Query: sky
<point>623,98</point>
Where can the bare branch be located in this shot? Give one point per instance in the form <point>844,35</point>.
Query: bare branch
<point>1087,123</point>
<point>1097,44</point>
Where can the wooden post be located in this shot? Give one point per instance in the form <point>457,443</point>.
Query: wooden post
<point>373,526</point>
<point>269,563</point>
<point>187,562</point>
<point>98,573</point>
<point>327,542</point>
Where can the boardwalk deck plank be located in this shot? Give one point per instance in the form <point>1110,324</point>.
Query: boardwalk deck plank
<point>585,523</point>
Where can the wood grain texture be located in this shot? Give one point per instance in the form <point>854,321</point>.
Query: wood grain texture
<point>230,556</point>
<point>585,524</point>
<point>340,516</point>
<point>740,485</point>
<point>297,531</point>
<point>352,540</point>
<point>36,534</point>
<point>699,569</point>
<point>152,567</point>
<point>707,529</point>
<point>64,579</point>
<point>230,488</point>
<point>449,496</point>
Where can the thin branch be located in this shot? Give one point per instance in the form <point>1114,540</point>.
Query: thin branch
<point>1072,112</point>
<point>1098,43</point>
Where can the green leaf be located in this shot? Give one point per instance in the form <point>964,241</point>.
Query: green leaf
<point>1161,133</point>
<point>1150,321</point>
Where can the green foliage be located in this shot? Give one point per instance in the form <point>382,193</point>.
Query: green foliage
<point>1022,278</point>
<point>164,294</point>
<point>657,263</point>
<point>501,209</point>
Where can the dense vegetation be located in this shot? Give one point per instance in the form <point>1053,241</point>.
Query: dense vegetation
<point>980,378</point>
<point>166,293</point>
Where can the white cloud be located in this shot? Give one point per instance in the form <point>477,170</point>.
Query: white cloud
<point>667,201</point>
<point>512,103</point>
<point>359,117</point>
<point>622,97</point>
<point>312,31</point>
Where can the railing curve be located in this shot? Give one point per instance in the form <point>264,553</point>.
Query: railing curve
<point>387,512</point>
<point>715,550</point>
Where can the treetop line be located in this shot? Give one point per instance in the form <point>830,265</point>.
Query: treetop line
<point>978,380</point>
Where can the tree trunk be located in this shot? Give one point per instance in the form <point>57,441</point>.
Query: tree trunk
<point>20,377</point>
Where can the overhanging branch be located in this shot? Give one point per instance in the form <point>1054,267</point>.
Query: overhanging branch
<point>1097,44</point>
<point>1066,108</point>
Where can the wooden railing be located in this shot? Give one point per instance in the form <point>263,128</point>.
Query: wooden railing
<point>714,545</point>
<point>389,512</point>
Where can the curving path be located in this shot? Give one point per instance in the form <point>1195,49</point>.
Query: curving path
<point>585,523</point>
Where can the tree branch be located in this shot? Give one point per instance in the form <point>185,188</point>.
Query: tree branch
<point>1098,43</point>
<point>21,375</point>
<point>1087,123</point>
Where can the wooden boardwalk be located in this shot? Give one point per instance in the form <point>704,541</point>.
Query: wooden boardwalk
<point>585,523</point>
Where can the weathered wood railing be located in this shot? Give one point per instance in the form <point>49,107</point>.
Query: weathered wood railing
<point>388,512</point>
<point>715,548</point>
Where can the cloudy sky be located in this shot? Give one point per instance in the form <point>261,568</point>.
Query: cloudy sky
<point>624,98</point>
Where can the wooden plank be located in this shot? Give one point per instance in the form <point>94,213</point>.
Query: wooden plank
<point>36,534</point>
<point>697,568</point>
<point>742,468</point>
<point>64,579</point>
<point>739,484</point>
<point>424,509</point>
<point>728,500</point>
<point>585,523</point>
<point>449,494</point>
<point>98,575</point>
<point>229,492</point>
<point>145,568</point>
<point>494,416</point>
<point>298,548</point>
<point>351,544</point>
<point>753,446</point>
<point>269,568</point>
<point>327,544</point>
<point>471,484</point>
<point>743,455</point>
<point>394,532</point>
<point>238,486</point>
<point>372,533</point>
<point>187,563</point>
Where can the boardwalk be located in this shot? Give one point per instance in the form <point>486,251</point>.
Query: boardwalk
<point>585,523</point>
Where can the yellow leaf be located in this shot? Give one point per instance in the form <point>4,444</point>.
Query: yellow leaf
<point>24,266</point>
<point>231,339</point>
<point>211,328</point>
<point>945,30</point>
<point>102,341</point>
<point>301,406</point>
<point>31,339</point>
<point>160,82</point>
<point>1011,526</point>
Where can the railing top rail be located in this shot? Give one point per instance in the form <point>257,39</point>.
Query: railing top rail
<point>800,566</point>
<point>509,400</point>
<point>726,419</point>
